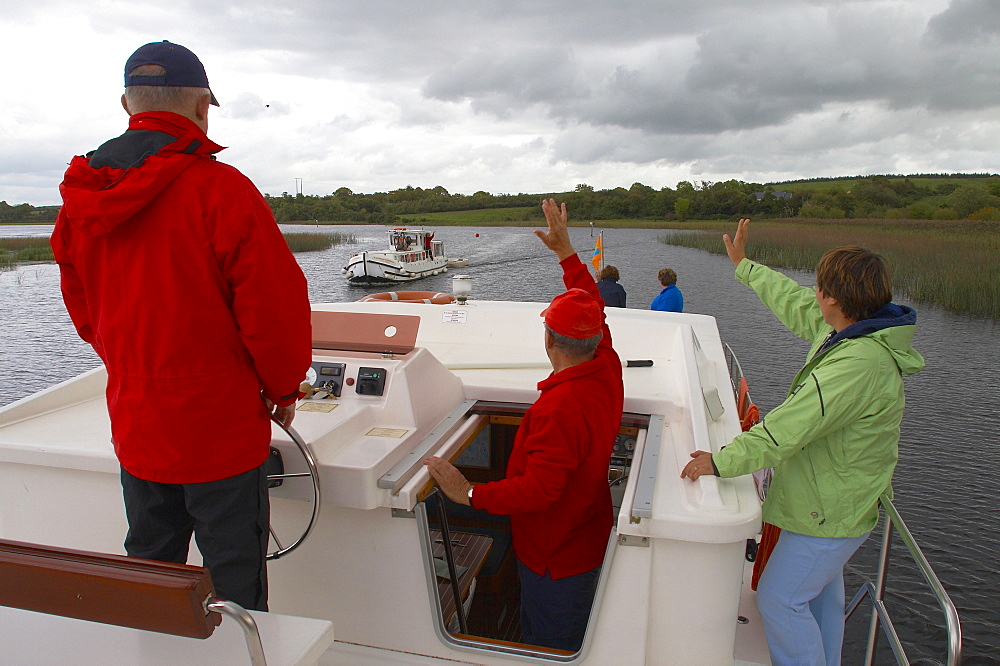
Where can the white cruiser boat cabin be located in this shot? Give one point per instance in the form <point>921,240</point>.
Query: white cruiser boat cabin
<point>412,254</point>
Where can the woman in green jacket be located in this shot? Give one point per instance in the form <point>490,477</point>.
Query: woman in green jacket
<point>833,442</point>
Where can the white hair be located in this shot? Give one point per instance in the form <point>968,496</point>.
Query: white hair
<point>574,347</point>
<point>160,98</point>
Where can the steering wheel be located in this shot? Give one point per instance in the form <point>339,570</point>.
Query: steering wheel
<point>313,475</point>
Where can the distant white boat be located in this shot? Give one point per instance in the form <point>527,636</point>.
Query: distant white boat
<point>412,254</point>
<point>458,263</point>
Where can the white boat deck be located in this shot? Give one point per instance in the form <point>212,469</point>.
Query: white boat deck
<point>35,638</point>
<point>364,568</point>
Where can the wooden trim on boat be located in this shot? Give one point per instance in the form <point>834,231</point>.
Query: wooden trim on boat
<point>112,589</point>
<point>364,331</point>
<point>496,419</point>
<point>426,489</point>
<point>471,552</point>
<point>511,413</point>
<point>493,408</point>
<point>511,644</point>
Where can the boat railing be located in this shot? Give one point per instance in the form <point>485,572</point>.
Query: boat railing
<point>735,369</point>
<point>875,592</point>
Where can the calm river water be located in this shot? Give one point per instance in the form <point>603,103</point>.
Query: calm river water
<point>947,480</point>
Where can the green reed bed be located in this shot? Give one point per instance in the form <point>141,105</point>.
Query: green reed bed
<point>15,251</point>
<point>310,242</point>
<point>953,263</point>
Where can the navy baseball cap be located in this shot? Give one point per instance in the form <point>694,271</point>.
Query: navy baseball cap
<point>184,70</point>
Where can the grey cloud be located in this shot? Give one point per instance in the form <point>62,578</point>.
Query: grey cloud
<point>502,83</point>
<point>767,71</point>
<point>718,86</point>
<point>250,106</point>
<point>748,67</point>
<point>966,21</point>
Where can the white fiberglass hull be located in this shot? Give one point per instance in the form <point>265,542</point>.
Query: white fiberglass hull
<point>673,583</point>
<point>386,268</point>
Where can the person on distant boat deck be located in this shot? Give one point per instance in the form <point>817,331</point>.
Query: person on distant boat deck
<point>173,268</point>
<point>833,442</point>
<point>556,487</point>
<point>670,298</point>
<point>612,292</point>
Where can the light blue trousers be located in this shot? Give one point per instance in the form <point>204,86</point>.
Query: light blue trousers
<point>801,599</point>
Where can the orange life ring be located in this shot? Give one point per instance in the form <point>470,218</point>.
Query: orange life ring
<point>434,297</point>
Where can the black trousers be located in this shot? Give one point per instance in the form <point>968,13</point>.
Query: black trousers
<point>555,613</point>
<point>229,520</point>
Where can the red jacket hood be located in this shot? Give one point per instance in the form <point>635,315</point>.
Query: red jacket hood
<point>98,200</point>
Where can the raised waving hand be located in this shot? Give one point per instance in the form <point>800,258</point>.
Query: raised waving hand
<point>557,236</point>
<point>736,248</point>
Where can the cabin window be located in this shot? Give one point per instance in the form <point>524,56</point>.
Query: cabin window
<point>484,564</point>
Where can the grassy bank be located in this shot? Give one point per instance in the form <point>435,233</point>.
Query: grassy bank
<point>529,216</point>
<point>490,217</point>
<point>955,264</point>
<point>15,251</point>
<point>309,242</point>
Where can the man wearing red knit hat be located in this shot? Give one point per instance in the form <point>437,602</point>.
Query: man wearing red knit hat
<point>556,488</point>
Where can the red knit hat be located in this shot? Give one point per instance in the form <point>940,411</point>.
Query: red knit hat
<point>575,314</point>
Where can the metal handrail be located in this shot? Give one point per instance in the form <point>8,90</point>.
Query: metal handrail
<point>735,373</point>
<point>735,369</point>
<point>449,555</point>
<point>877,590</point>
<point>247,624</point>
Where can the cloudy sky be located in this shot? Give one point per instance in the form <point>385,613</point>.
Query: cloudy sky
<point>521,96</point>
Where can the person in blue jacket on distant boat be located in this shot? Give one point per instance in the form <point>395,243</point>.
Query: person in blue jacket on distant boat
<point>612,293</point>
<point>670,299</point>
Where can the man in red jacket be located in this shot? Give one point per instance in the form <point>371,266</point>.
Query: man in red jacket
<point>173,268</point>
<point>556,487</point>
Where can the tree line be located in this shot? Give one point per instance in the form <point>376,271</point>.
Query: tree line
<point>27,213</point>
<point>972,197</point>
<point>921,197</point>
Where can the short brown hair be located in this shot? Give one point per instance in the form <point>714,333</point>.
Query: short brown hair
<point>609,272</point>
<point>667,276</point>
<point>858,278</point>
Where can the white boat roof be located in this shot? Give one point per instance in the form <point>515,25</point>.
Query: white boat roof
<point>408,230</point>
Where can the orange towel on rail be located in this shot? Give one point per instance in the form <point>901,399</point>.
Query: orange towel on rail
<point>750,418</point>
<point>768,539</point>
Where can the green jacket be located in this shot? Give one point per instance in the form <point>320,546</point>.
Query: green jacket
<point>833,442</point>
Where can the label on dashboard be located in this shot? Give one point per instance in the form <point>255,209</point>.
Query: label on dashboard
<point>455,316</point>
<point>325,406</point>
<point>387,432</point>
